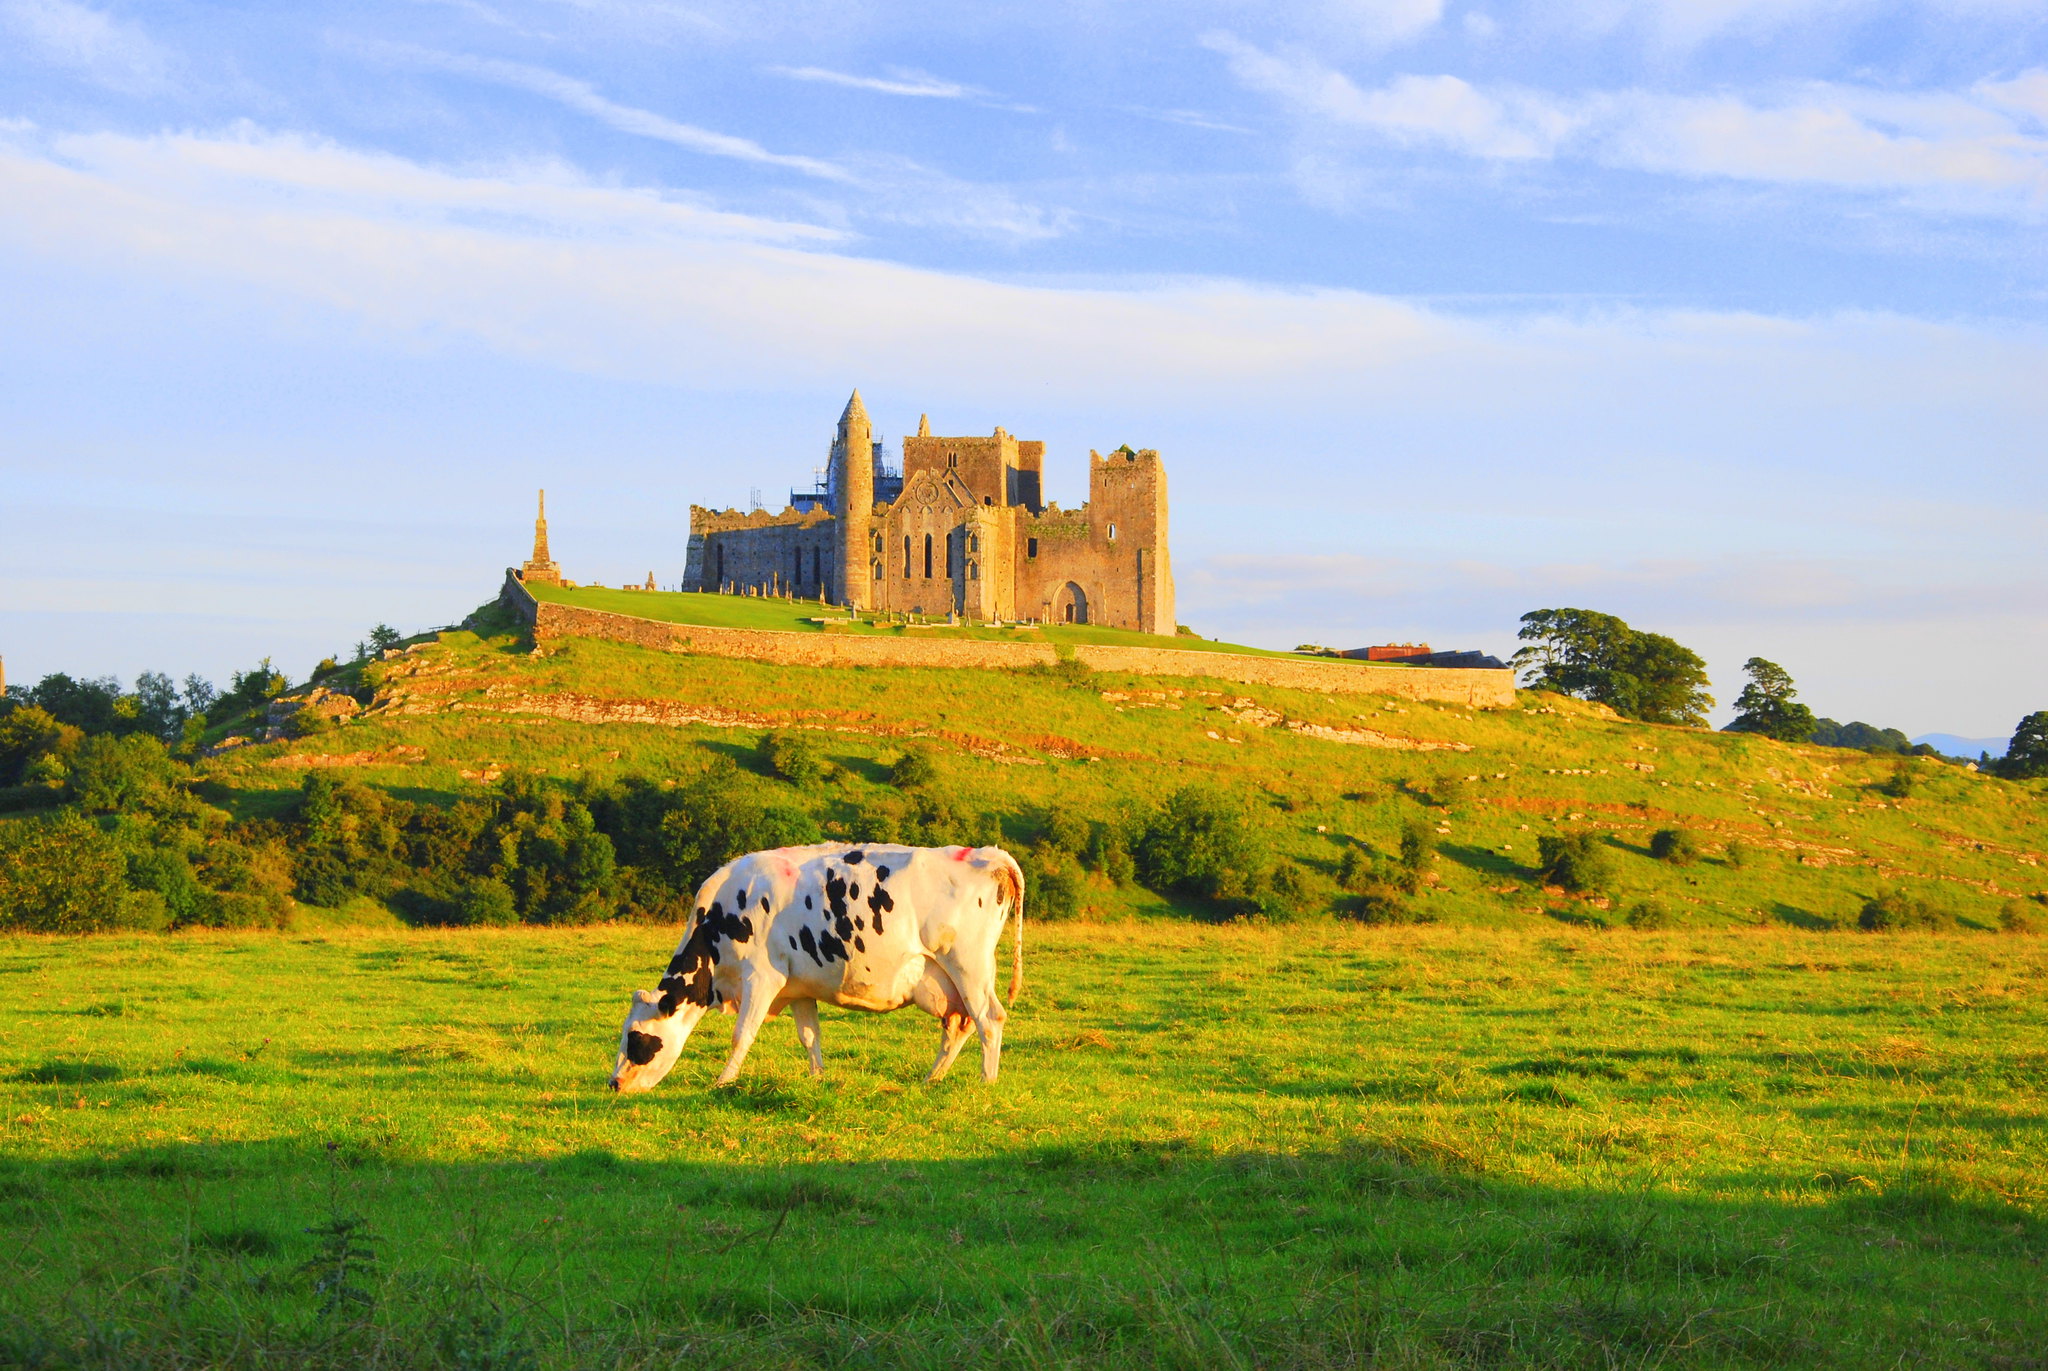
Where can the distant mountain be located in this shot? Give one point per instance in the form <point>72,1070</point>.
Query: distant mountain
<point>1949,745</point>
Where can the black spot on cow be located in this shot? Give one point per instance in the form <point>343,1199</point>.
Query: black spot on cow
<point>808,904</point>
<point>792,942</point>
<point>811,946</point>
<point>835,895</point>
<point>858,945</point>
<point>881,873</point>
<point>689,971</point>
<point>844,927</point>
<point>641,1048</point>
<point>880,902</point>
<point>853,891</point>
<point>834,950</point>
<point>855,858</point>
<point>860,921</point>
<point>764,904</point>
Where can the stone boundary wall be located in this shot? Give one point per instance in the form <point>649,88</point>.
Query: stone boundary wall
<point>1477,689</point>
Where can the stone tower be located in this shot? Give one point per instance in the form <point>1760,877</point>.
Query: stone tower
<point>541,570</point>
<point>853,480</point>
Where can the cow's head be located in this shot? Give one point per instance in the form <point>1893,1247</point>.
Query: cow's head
<point>652,1039</point>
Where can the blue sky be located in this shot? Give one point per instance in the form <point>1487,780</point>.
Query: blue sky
<point>1727,316</point>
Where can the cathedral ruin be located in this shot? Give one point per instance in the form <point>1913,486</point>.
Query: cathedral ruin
<point>962,532</point>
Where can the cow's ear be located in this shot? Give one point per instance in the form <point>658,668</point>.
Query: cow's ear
<point>647,997</point>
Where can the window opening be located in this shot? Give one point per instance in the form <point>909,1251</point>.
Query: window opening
<point>906,556</point>
<point>1030,547</point>
<point>927,556</point>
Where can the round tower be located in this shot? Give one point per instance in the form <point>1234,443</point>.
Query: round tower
<point>853,484</point>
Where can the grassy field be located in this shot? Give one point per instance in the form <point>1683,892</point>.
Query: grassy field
<point>1240,1146</point>
<point>808,616</point>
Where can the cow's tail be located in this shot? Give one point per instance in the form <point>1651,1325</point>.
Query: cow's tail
<point>1010,888</point>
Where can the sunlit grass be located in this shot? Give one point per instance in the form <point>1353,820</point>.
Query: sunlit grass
<point>1313,1145</point>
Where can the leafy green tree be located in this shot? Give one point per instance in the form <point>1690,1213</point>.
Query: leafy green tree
<point>1597,657</point>
<point>1766,705</point>
<point>60,875</point>
<point>84,704</point>
<point>1891,911</point>
<point>1201,843</point>
<point>384,637</point>
<point>159,711</point>
<point>29,733</point>
<point>2026,757</point>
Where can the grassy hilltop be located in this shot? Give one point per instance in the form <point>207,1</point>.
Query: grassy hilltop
<point>1784,834</point>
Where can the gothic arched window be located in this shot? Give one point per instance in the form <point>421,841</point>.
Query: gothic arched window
<point>906,556</point>
<point>927,556</point>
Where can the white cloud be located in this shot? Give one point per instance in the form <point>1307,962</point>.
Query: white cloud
<point>1381,22</point>
<point>585,99</point>
<point>1970,151</point>
<point>901,83</point>
<point>100,47</point>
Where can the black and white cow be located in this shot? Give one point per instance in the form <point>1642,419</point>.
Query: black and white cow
<point>867,926</point>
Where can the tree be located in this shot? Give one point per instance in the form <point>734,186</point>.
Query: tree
<point>2026,756</point>
<point>384,637</point>
<point>1597,657</point>
<point>1766,705</point>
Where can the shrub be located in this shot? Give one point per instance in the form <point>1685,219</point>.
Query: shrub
<point>1896,910</point>
<point>1200,843</point>
<point>2015,917</point>
<point>1285,894</point>
<point>1357,870</point>
<point>1109,852</point>
<point>1674,845</point>
<point>1066,831</point>
<point>1735,854</point>
<point>1648,915</point>
<point>305,723</point>
<point>59,875</point>
<point>109,773</point>
<point>1418,855</point>
<point>1447,791</point>
<point>1902,783</point>
<point>793,755</point>
<point>1051,891</point>
<point>914,769</point>
<point>1380,904</point>
<point>1576,861</point>
<point>164,872</point>
<point>486,903</point>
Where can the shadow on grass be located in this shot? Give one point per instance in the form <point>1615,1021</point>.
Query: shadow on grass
<point>1119,1252</point>
<point>1800,918</point>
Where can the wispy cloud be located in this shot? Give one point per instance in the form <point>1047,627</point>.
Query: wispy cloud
<point>104,49</point>
<point>1977,149</point>
<point>910,83</point>
<point>585,99</point>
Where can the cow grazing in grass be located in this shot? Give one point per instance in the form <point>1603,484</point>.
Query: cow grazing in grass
<point>867,926</point>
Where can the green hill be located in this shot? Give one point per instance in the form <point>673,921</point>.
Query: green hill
<point>1068,762</point>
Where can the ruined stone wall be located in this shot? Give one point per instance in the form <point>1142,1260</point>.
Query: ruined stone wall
<point>1112,550</point>
<point>788,554</point>
<point>1474,689</point>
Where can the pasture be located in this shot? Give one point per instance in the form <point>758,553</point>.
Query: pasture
<point>1304,1146</point>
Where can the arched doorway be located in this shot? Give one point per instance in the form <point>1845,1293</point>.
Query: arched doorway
<point>1070,606</point>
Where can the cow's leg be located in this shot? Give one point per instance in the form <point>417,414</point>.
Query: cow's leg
<point>978,994</point>
<point>757,1002</point>
<point>805,1012</point>
<point>939,997</point>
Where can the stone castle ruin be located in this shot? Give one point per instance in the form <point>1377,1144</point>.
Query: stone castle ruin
<point>963,532</point>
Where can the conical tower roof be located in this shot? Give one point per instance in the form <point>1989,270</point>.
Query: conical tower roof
<point>854,409</point>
